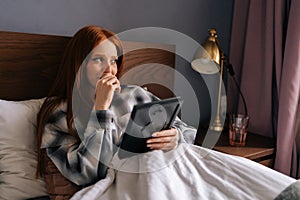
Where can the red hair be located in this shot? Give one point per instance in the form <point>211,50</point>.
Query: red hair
<point>69,73</point>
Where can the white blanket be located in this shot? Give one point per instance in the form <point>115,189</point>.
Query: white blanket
<point>189,172</point>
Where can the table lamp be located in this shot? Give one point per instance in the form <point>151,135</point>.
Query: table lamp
<point>210,60</point>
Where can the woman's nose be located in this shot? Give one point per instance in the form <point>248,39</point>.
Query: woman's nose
<point>108,67</point>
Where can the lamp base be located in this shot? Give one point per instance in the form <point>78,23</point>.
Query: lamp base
<point>216,126</point>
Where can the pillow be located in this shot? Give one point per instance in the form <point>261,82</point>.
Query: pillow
<point>18,154</point>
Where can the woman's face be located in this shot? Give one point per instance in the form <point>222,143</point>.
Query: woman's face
<point>102,62</point>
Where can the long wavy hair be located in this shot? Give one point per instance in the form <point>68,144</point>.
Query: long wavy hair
<point>71,79</point>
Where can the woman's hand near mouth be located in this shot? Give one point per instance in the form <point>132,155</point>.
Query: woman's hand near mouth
<point>105,88</point>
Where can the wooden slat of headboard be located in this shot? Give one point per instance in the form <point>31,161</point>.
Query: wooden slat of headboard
<point>28,63</point>
<point>151,57</point>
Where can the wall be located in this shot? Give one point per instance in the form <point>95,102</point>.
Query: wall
<point>64,17</point>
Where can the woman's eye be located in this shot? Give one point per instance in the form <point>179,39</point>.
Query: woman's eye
<point>114,61</point>
<point>98,59</point>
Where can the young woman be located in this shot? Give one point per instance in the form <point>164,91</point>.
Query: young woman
<point>80,122</point>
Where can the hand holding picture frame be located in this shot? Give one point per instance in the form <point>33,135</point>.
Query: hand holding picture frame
<point>146,119</point>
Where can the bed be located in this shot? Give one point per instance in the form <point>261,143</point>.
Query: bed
<point>28,65</point>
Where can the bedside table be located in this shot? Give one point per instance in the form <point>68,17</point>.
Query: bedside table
<point>258,148</point>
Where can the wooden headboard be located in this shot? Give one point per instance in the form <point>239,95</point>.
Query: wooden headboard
<point>29,62</point>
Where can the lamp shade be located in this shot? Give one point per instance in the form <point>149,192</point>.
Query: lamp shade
<point>207,59</point>
<point>205,66</point>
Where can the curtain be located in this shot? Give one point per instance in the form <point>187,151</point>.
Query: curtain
<point>265,52</point>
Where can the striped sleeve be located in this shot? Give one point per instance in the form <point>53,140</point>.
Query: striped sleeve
<point>81,161</point>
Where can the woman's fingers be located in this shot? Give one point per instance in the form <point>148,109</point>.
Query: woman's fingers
<point>163,140</point>
<point>169,132</point>
<point>104,91</point>
<point>111,82</point>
